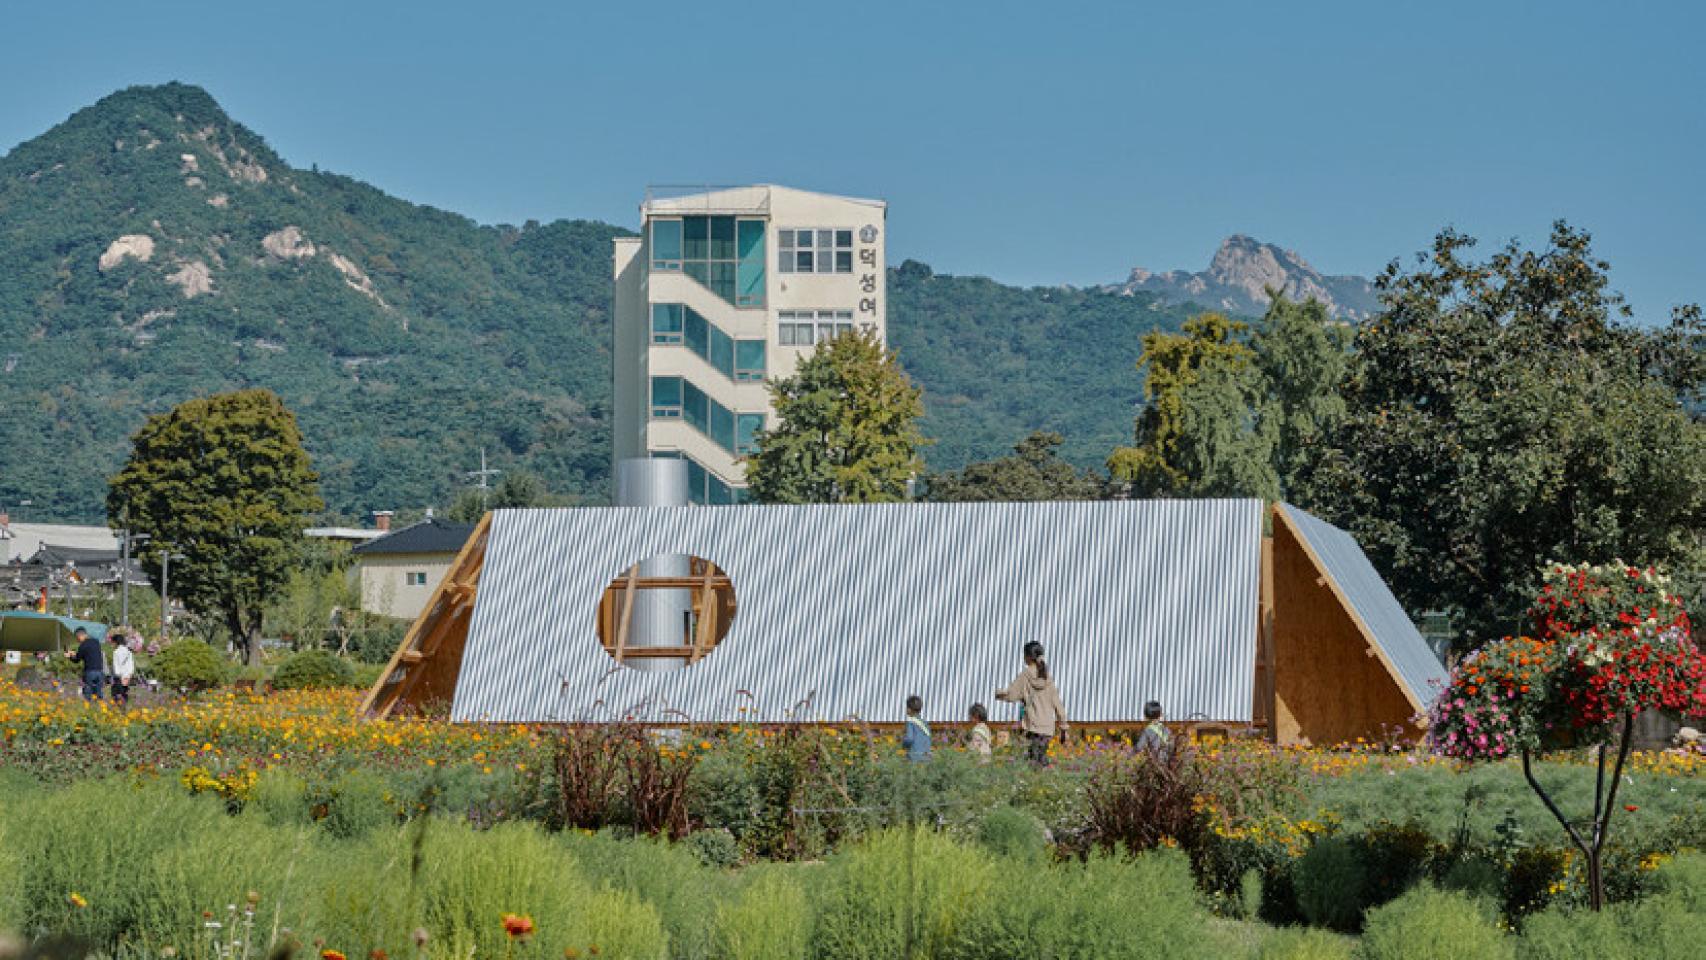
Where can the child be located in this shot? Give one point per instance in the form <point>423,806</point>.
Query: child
<point>124,667</point>
<point>1156,738</point>
<point>1042,715</point>
<point>982,742</point>
<point>916,739</point>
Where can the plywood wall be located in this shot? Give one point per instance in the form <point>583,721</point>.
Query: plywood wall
<point>1331,686</point>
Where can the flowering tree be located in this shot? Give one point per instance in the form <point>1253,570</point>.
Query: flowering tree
<point>1610,643</point>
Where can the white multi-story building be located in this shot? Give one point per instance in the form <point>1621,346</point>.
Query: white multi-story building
<point>723,289</point>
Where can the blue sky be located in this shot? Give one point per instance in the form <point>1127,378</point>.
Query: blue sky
<point>1036,143</point>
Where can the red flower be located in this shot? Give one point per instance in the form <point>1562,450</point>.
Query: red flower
<point>517,925</point>
<point>331,955</point>
<point>1630,807</point>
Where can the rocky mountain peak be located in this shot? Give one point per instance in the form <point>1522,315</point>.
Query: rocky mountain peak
<point>1242,271</point>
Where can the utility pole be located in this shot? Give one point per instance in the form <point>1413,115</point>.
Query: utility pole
<point>480,477</point>
<point>166,557</point>
<point>124,566</point>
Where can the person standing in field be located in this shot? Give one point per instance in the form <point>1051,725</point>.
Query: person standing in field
<point>88,656</point>
<point>124,668</point>
<point>916,739</point>
<point>1156,738</point>
<point>982,742</point>
<point>1042,713</point>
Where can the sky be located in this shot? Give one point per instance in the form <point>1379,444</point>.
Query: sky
<point>1036,143</point>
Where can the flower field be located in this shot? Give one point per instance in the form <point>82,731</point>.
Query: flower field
<point>747,817</point>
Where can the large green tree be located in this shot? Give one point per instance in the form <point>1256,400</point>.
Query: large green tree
<point>1301,356</point>
<point>224,482</point>
<point>1501,415</point>
<point>1198,434</point>
<point>848,431</point>
<point>1035,471</point>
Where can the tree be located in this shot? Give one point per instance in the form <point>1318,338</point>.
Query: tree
<point>1034,472</point>
<point>1198,434</point>
<point>519,489</point>
<point>1609,643</point>
<point>1499,415</point>
<point>1302,356</point>
<point>224,482</point>
<point>849,429</point>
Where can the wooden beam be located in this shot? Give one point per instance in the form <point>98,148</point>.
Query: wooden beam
<point>642,653</point>
<point>706,634</point>
<point>1267,685</point>
<point>627,613</point>
<point>464,570</point>
<point>669,583</point>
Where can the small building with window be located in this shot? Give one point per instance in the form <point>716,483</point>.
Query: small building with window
<point>399,570</point>
<point>723,289</point>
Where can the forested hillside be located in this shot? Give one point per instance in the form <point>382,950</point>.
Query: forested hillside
<point>152,249</point>
<point>997,362</point>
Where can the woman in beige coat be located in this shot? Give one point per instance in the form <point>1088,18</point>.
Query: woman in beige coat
<point>1041,713</point>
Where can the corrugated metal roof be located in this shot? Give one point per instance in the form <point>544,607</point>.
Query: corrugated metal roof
<point>1394,632</point>
<point>844,610</point>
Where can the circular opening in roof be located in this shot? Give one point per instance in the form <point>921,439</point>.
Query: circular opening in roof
<point>666,612</point>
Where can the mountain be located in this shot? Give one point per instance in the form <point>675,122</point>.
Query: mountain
<point>1238,278</point>
<point>997,362</point>
<point>153,249</point>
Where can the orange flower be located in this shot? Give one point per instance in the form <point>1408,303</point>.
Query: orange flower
<point>331,955</point>
<point>517,925</point>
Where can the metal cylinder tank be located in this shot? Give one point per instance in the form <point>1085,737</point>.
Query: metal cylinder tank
<point>661,617</point>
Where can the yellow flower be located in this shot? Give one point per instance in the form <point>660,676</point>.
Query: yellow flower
<point>77,900</point>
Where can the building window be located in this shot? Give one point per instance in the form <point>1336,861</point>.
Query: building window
<point>679,324</point>
<point>666,244</point>
<point>415,578</point>
<point>749,360</point>
<point>666,322</point>
<point>747,428</point>
<point>666,398</point>
<point>725,254</point>
<point>803,328</point>
<point>814,251</point>
<point>676,398</point>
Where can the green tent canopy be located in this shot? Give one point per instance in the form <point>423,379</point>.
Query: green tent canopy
<point>40,632</point>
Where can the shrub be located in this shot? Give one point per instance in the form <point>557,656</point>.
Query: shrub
<point>1332,884</point>
<point>1664,928</point>
<point>466,880</point>
<point>1107,907</point>
<point>715,847</point>
<point>143,878</point>
<point>770,919</point>
<point>1304,944</point>
<point>1136,800</point>
<point>668,876</point>
<point>313,670</point>
<point>280,799</point>
<point>1430,924</point>
<point>1009,832</point>
<point>188,665</point>
<point>865,909</point>
<point>1476,876</point>
<point>1560,934</point>
<point>1682,879</point>
<point>376,639</point>
<point>1395,857</point>
<point>357,802</point>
